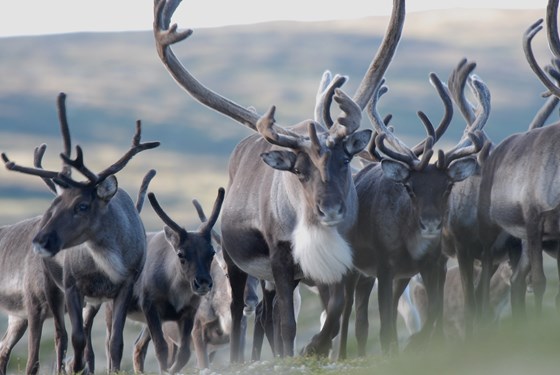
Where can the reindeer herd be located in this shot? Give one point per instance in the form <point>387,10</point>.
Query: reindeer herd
<point>295,211</point>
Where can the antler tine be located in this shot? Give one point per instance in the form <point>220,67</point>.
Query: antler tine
<point>476,135</point>
<point>443,93</point>
<point>456,82</point>
<point>38,154</point>
<point>199,210</point>
<point>12,166</point>
<point>208,225</point>
<point>381,128</point>
<point>529,55</point>
<point>551,102</point>
<point>405,158</point>
<point>136,148</point>
<point>162,215</point>
<point>143,188</point>
<point>274,134</point>
<point>323,99</point>
<point>78,164</point>
<point>348,121</point>
<point>165,36</point>
<point>476,143</point>
<point>202,216</point>
<point>65,131</point>
<point>552,26</point>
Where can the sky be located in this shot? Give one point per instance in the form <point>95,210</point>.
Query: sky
<point>35,17</point>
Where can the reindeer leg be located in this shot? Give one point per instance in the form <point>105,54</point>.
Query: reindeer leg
<point>14,332</point>
<point>363,291</point>
<point>55,300</point>
<point>349,288</point>
<point>184,350</point>
<point>521,267</point>
<point>321,343</point>
<point>89,313</point>
<point>389,344</point>
<point>140,350</point>
<point>283,272</point>
<point>116,343</point>
<point>466,269</point>
<point>74,303</point>
<point>237,280</point>
<point>534,247</point>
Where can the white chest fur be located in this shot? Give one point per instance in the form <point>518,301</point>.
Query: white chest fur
<point>323,255</point>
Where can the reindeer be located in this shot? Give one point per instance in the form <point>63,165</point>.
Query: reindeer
<point>413,304</point>
<point>519,190</point>
<point>24,292</point>
<point>171,286</point>
<point>87,219</point>
<point>279,226</point>
<point>402,201</point>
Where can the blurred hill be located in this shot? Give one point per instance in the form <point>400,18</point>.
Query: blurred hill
<point>113,79</point>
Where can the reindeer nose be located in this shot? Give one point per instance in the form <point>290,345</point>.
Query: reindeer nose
<point>430,228</point>
<point>330,215</point>
<point>202,285</point>
<point>46,244</point>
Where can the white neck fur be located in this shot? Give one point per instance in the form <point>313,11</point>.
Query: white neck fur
<point>322,253</point>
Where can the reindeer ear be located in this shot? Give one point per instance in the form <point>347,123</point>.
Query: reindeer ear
<point>171,236</point>
<point>395,170</point>
<point>462,168</point>
<point>357,141</point>
<point>282,160</point>
<point>107,188</point>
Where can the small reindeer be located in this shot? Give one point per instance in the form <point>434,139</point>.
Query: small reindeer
<point>88,220</point>
<point>413,304</point>
<point>174,280</point>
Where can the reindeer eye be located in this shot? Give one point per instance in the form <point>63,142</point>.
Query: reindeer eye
<point>81,207</point>
<point>346,161</point>
<point>296,171</point>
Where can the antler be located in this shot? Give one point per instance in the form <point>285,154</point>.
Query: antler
<point>324,97</point>
<point>163,216</point>
<point>78,163</point>
<point>399,150</point>
<point>346,123</point>
<point>209,224</point>
<point>143,188</point>
<point>553,42</point>
<point>551,102</point>
<point>474,137</point>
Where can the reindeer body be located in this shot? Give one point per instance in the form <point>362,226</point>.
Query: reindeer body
<point>23,295</point>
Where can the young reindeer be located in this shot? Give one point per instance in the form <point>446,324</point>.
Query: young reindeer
<point>286,219</point>
<point>402,203</point>
<point>175,278</point>
<point>87,219</point>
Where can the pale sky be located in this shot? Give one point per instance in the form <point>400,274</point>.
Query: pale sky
<point>32,17</point>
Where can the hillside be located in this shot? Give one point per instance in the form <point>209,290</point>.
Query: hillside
<point>112,79</point>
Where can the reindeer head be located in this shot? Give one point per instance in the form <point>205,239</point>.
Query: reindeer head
<point>78,211</point>
<point>194,249</point>
<point>428,184</point>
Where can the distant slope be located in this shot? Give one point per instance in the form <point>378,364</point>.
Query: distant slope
<point>112,79</point>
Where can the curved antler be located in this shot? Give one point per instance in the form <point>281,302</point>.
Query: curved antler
<point>143,188</point>
<point>166,35</point>
<point>324,97</point>
<point>163,216</point>
<point>208,225</point>
<point>529,55</point>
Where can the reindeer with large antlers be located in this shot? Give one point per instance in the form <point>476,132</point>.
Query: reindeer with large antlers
<point>87,220</point>
<point>519,190</point>
<point>402,203</point>
<point>175,278</point>
<point>291,198</point>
